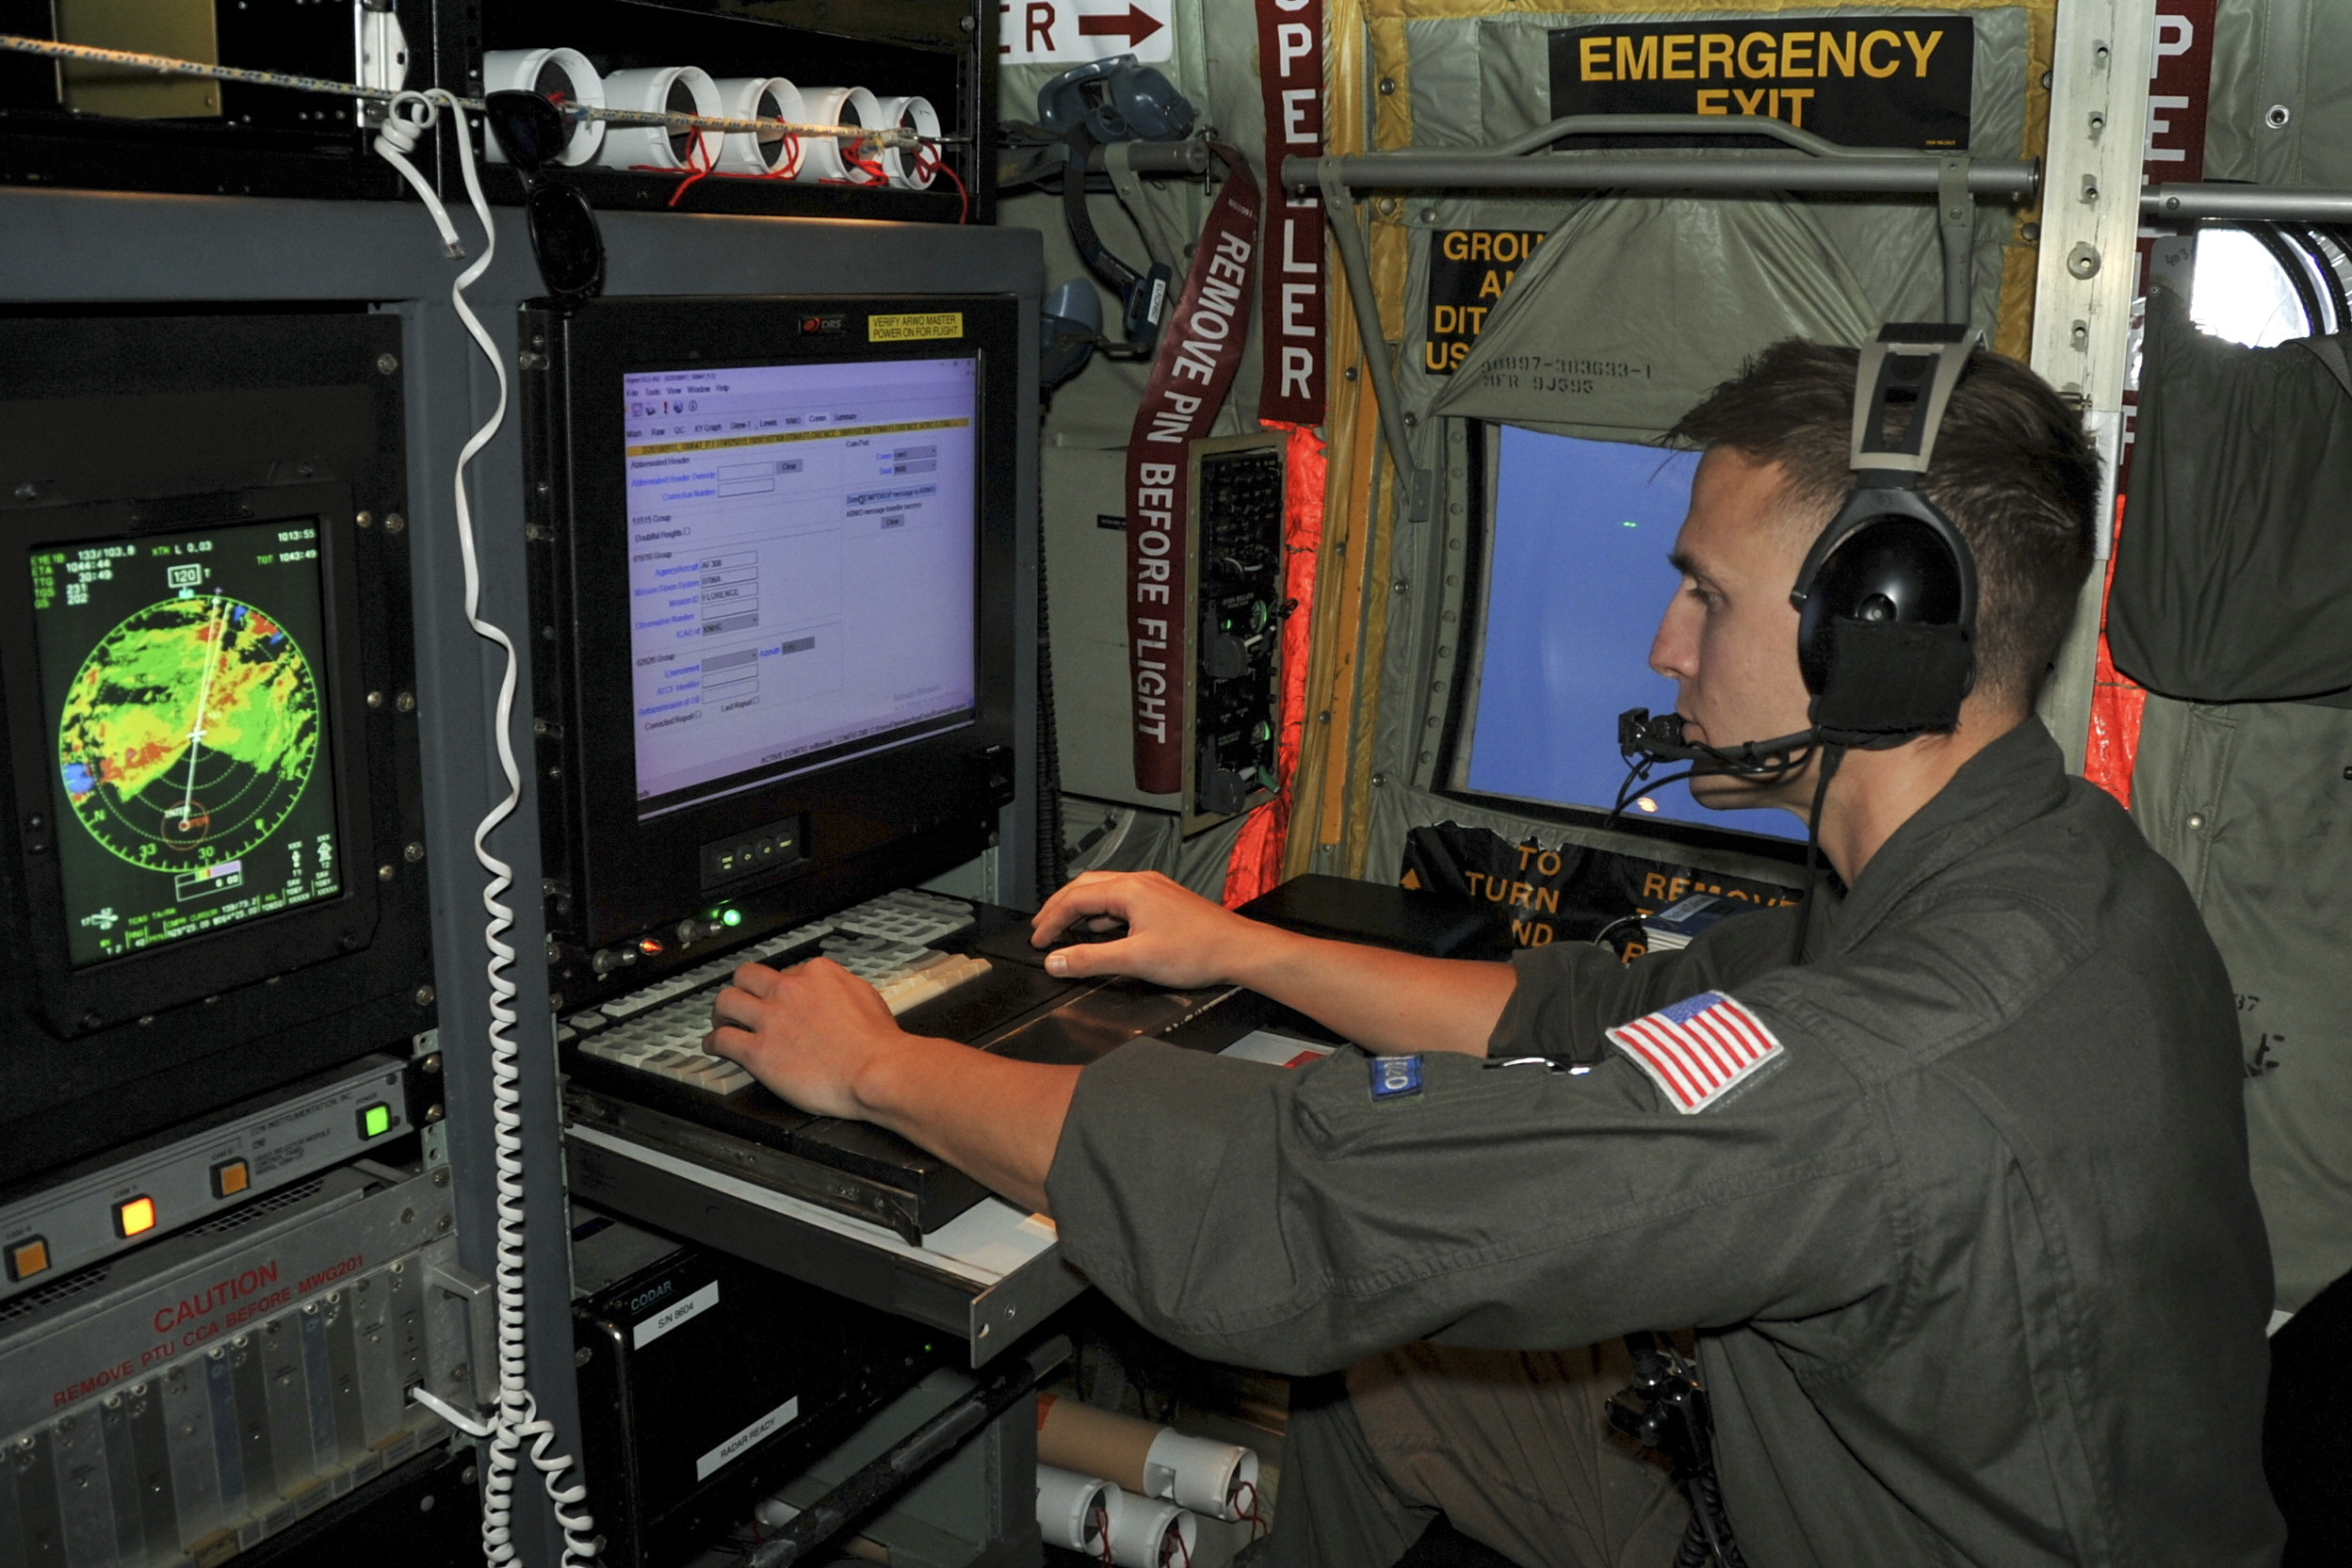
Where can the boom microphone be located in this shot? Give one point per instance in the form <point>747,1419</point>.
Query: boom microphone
<point>1662,739</point>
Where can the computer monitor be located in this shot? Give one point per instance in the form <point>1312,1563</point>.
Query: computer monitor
<point>778,567</point>
<point>1576,582</point>
<point>181,728</point>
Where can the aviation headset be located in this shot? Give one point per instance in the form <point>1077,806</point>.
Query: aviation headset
<point>1887,596</point>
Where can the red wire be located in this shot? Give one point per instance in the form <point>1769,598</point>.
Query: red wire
<point>939,165</point>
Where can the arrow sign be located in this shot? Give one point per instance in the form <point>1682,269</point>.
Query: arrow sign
<point>1069,32</point>
<point>1137,25</point>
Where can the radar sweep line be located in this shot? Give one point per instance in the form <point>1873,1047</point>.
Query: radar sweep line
<point>196,735</point>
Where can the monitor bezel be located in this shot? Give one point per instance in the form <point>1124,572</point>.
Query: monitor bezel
<point>82,1000</point>
<point>621,874</point>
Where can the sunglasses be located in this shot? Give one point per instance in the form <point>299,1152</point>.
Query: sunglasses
<point>565,241</point>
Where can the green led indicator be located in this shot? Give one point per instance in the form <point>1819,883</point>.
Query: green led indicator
<point>375,1121</point>
<point>732,917</point>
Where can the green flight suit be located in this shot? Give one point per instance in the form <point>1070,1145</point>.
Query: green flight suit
<point>1974,1261</point>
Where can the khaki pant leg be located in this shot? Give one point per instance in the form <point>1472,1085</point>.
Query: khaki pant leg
<point>1516,1447</point>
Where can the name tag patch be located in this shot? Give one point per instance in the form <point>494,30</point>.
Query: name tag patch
<point>1699,1049</point>
<point>1395,1077</point>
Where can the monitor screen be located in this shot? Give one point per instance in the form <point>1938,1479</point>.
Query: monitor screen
<point>193,783</point>
<point>804,560</point>
<point>1577,579</point>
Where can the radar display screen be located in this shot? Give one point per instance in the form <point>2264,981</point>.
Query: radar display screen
<point>192,777</point>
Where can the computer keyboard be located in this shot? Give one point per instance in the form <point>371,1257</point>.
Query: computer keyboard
<point>659,1030</point>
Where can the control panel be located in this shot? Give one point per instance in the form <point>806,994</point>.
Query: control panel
<point>91,1212</point>
<point>1233,720</point>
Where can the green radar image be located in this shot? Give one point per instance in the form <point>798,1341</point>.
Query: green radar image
<point>189,734</point>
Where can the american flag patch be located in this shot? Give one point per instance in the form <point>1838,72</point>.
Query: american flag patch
<point>1698,1049</point>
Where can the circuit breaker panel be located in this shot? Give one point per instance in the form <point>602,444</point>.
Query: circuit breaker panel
<point>1234,574</point>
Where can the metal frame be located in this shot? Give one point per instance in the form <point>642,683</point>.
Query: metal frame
<point>1958,182</point>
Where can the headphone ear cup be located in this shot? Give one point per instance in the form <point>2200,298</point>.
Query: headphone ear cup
<point>1812,643</point>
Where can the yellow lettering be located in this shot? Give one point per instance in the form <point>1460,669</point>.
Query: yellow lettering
<point>1508,241</point>
<point>1710,99</point>
<point>1796,55</point>
<point>1549,864</point>
<point>1476,317</point>
<point>1434,355</point>
<point>1445,319</point>
<point>1591,58</point>
<point>1677,887</point>
<point>1548,899</point>
<point>1749,67</point>
<point>1750,103</point>
<point>1637,58</point>
<point>1457,245</point>
<point>1869,64</point>
<point>1714,49</point>
<point>1492,289</point>
<point>1653,886</point>
<point>1527,852</point>
<point>1461,353</point>
<point>1674,60</point>
<point>1481,246</point>
<point>1831,55</point>
<point>1795,98</point>
<point>1921,51</point>
<point>1520,894</point>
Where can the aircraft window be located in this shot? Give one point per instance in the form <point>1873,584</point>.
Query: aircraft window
<point>2263,288</point>
<point>1577,578</point>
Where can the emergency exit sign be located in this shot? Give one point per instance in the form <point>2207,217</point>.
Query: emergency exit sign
<point>1071,32</point>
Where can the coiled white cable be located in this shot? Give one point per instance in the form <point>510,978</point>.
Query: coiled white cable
<point>517,1420</point>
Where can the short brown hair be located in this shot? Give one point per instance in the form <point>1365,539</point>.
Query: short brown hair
<point>2013,469</point>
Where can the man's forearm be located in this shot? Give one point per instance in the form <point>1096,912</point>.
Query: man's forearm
<point>1386,1001</point>
<point>997,1121</point>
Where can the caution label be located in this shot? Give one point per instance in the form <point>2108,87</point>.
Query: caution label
<point>909,328</point>
<point>1894,81</point>
<point>1468,269</point>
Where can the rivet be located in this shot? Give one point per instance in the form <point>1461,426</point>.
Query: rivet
<point>2276,116</point>
<point>374,699</point>
<point>424,995</point>
<point>1388,85</point>
<point>413,852</point>
<point>384,873</point>
<point>406,701</point>
<point>394,523</point>
<point>386,364</point>
<point>2196,820</point>
<point>366,520</point>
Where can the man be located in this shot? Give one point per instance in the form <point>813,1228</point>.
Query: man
<point>1972,1255</point>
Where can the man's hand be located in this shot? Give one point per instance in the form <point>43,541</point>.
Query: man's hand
<point>808,1033</point>
<point>1174,938</point>
<point>821,1037</point>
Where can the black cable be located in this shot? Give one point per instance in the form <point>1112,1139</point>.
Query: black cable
<point>2316,242</point>
<point>1831,756</point>
<point>2270,240</point>
<point>1098,260</point>
<point>1053,868</point>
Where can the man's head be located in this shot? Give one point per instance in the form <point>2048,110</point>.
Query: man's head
<point>2013,470</point>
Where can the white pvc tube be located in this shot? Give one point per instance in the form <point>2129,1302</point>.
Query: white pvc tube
<point>563,75</point>
<point>761,98</point>
<point>836,105</point>
<point>1204,1476</point>
<point>1149,1533</point>
<point>650,90</point>
<point>903,165</point>
<point>1074,1511</point>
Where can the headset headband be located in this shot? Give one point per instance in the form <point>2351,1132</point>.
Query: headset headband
<point>1914,362</point>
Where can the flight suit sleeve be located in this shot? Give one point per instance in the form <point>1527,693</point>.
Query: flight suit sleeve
<point>1301,1219</point>
<point>1570,994</point>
